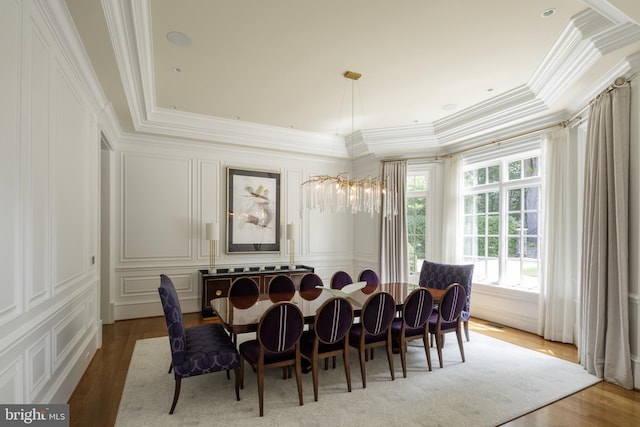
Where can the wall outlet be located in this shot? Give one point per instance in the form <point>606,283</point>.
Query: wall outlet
<point>93,259</point>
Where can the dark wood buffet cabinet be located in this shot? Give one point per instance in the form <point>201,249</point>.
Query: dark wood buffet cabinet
<point>216,285</point>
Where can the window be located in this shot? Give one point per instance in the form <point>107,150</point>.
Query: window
<point>422,191</point>
<point>501,220</point>
<point>417,199</point>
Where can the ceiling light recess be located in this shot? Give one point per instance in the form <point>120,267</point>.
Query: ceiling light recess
<point>547,13</point>
<point>178,38</point>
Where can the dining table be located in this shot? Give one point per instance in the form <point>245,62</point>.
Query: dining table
<point>242,314</point>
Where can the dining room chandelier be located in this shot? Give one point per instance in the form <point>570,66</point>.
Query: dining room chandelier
<point>343,193</point>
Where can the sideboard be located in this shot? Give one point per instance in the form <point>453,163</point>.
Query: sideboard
<point>216,285</point>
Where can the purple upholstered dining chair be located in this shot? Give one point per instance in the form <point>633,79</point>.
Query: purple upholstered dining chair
<point>281,288</point>
<point>329,337</point>
<point>197,350</point>
<point>340,279</point>
<point>243,292</point>
<point>308,289</point>
<point>448,318</point>
<point>414,324</point>
<point>277,345</point>
<point>437,275</point>
<point>374,329</point>
<point>372,279</point>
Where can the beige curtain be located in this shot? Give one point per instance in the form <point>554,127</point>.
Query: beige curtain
<point>559,285</point>
<point>394,257</point>
<point>604,344</point>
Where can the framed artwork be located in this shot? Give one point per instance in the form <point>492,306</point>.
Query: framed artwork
<point>253,211</point>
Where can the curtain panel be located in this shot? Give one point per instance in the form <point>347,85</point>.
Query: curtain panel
<point>604,343</point>
<point>559,284</point>
<point>452,210</point>
<point>394,253</point>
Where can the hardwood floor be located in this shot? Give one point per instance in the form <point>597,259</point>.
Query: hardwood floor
<point>96,399</point>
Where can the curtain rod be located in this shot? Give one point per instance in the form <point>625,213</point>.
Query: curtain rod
<point>618,82</point>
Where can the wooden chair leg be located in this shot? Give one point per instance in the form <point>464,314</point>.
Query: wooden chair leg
<point>314,374</point>
<point>261,389</point>
<point>466,329</point>
<point>170,368</point>
<point>347,369</point>
<point>236,373</point>
<point>390,356</point>
<point>403,356</point>
<point>427,350</point>
<point>439,343</point>
<point>298,368</point>
<point>176,394</point>
<point>363,370</point>
<point>459,335</point>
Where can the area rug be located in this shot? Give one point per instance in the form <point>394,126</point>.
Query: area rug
<point>497,383</point>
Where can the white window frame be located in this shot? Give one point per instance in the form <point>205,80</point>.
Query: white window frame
<point>493,157</point>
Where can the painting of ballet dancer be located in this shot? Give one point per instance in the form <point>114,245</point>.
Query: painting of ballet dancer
<point>253,211</point>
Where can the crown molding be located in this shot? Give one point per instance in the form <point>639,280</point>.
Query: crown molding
<point>587,37</point>
<point>57,18</point>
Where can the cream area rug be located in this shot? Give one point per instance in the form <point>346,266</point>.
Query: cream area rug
<point>497,383</point>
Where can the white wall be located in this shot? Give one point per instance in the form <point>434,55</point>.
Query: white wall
<point>166,190</point>
<point>49,323</point>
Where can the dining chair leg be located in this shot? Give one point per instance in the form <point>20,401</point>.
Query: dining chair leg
<point>241,372</point>
<point>314,373</point>
<point>459,335</point>
<point>176,394</point>
<point>261,389</point>
<point>427,349</point>
<point>403,356</point>
<point>347,369</point>
<point>363,369</point>
<point>236,374</point>
<point>439,342</point>
<point>466,329</point>
<point>298,368</point>
<point>390,356</point>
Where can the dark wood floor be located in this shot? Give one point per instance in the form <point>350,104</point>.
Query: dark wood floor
<point>96,399</point>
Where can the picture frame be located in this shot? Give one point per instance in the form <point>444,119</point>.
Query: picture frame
<point>253,211</point>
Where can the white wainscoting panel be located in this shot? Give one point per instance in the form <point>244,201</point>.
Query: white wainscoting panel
<point>139,291</point>
<point>11,382</point>
<point>509,307</point>
<point>292,210</point>
<point>70,192</point>
<point>212,208</point>
<point>38,366</point>
<point>156,205</point>
<point>10,31</point>
<point>67,333</point>
<point>37,213</point>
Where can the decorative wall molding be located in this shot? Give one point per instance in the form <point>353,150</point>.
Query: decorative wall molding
<point>49,156</point>
<point>38,358</point>
<point>148,231</point>
<point>587,37</point>
<point>12,381</point>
